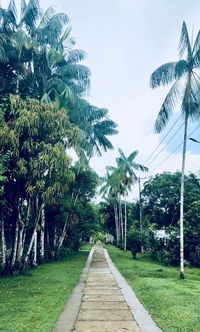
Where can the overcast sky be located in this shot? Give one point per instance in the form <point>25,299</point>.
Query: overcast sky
<point>125,41</point>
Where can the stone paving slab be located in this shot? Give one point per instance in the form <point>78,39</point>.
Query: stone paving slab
<point>96,326</point>
<point>103,291</point>
<point>105,314</point>
<point>103,298</point>
<point>104,305</point>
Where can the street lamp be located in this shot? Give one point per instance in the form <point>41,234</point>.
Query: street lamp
<point>194,140</point>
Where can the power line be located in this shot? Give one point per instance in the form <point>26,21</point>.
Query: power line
<point>174,150</point>
<point>162,140</point>
<point>164,147</point>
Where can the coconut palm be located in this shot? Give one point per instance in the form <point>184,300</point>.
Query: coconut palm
<point>184,79</point>
<point>126,169</point>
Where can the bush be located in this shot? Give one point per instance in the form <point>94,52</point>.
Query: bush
<point>136,239</point>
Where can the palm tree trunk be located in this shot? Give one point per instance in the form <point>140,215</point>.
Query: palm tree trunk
<point>125,223</point>
<point>182,201</point>
<point>116,223</point>
<point>121,221</point>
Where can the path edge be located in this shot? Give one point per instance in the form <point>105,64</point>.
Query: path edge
<point>67,319</point>
<point>140,314</point>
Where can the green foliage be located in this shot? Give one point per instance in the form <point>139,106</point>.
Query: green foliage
<point>136,239</point>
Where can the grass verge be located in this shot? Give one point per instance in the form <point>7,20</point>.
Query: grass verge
<point>87,246</point>
<point>33,302</point>
<point>173,303</point>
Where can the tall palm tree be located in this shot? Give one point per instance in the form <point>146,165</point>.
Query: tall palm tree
<point>126,168</point>
<point>184,77</point>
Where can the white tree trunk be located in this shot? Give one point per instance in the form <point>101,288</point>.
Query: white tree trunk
<point>62,237</point>
<point>116,223</point>
<point>3,245</point>
<point>121,222</point>
<point>125,224</point>
<point>35,249</point>
<point>42,235</point>
<point>14,252</point>
<point>182,202</point>
<point>20,247</point>
<point>33,235</point>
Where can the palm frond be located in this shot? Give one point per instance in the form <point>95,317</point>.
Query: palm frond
<point>60,88</point>
<point>31,14</point>
<point>46,17</point>
<point>167,107</point>
<point>181,68</point>
<point>196,46</point>
<point>163,75</point>
<point>190,104</point>
<point>184,43</point>
<point>12,11</point>
<point>75,56</point>
<point>132,156</point>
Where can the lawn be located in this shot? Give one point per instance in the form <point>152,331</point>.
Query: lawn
<point>33,302</point>
<point>173,303</point>
<point>87,246</point>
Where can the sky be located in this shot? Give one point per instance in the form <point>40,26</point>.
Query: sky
<point>126,40</point>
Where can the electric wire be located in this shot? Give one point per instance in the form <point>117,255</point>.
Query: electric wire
<point>171,153</point>
<point>165,146</point>
<point>162,140</point>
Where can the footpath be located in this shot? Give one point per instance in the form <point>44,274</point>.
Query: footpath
<point>104,302</point>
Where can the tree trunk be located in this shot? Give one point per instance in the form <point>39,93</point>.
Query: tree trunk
<point>182,201</point>
<point>121,221</point>
<point>116,223</point>
<point>125,223</point>
<point>15,245</point>
<point>3,245</point>
<point>62,237</point>
<point>21,241</point>
<point>42,235</point>
<point>33,235</point>
<point>35,249</point>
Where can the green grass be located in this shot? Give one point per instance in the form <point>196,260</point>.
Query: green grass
<point>87,246</point>
<point>33,302</point>
<point>173,303</point>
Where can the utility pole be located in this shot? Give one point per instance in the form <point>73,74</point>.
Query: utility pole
<point>140,206</point>
<point>140,203</point>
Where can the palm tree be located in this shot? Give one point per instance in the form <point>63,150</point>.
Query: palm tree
<point>183,75</point>
<point>126,168</point>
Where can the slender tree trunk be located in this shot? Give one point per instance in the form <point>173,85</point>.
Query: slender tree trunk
<point>62,237</point>
<point>42,235</point>
<point>15,245</point>
<point>21,241</point>
<point>182,202</point>
<point>122,224</point>
<point>3,244</point>
<point>125,223</point>
<point>33,235</point>
<point>35,249</point>
<point>116,223</point>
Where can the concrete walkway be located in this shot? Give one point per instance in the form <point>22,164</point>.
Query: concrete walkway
<point>103,301</point>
